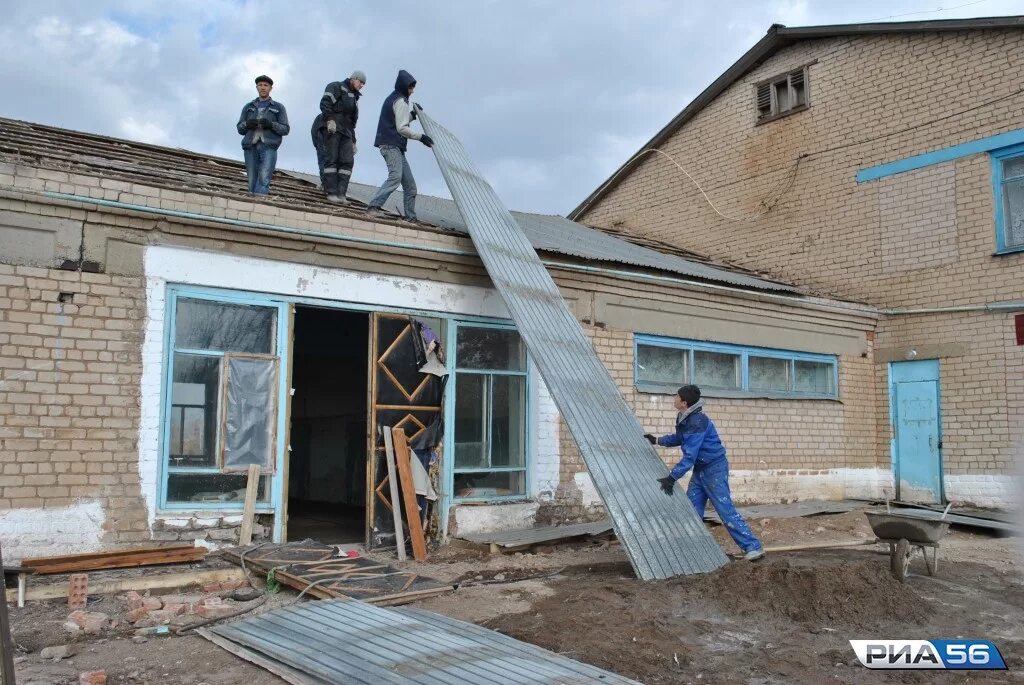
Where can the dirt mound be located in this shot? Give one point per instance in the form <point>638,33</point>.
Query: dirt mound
<point>851,593</point>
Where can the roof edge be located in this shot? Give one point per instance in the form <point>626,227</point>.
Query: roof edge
<point>779,36</point>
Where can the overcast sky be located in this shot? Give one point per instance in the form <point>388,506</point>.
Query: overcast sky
<point>548,97</point>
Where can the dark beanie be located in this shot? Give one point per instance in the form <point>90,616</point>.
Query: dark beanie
<point>689,394</point>
<point>264,77</point>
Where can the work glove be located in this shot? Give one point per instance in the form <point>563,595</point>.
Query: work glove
<point>651,439</point>
<point>668,486</point>
<point>427,140</point>
<point>332,126</point>
<point>251,123</point>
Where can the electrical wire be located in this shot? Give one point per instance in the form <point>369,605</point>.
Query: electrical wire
<point>937,9</point>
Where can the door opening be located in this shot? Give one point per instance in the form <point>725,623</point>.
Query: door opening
<point>917,436</point>
<point>327,462</point>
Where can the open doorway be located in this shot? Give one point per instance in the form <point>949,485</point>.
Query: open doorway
<point>327,472</point>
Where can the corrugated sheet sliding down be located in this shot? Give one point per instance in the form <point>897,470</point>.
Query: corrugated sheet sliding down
<point>663,535</point>
<point>348,641</point>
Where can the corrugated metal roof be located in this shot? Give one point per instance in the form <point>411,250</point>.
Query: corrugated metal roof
<point>662,535</point>
<point>347,641</point>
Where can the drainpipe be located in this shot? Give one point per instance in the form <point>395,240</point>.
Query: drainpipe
<point>1008,306</point>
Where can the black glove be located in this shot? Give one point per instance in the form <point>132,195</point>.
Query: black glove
<point>651,439</point>
<point>668,486</point>
<point>251,123</point>
<point>427,140</point>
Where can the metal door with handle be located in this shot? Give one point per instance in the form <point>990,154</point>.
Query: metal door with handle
<point>917,458</point>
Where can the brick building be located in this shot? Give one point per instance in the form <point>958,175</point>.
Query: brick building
<point>156,322</point>
<point>882,163</point>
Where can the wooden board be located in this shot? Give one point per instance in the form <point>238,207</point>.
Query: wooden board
<point>145,556</point>
<point>396,512</point>
<point>157,581</point>
<point>412,509</point>
<point>300,565</point>
<point>252,486</point>
<point>6,643</point>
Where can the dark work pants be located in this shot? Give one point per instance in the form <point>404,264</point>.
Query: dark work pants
<point>339,157</point>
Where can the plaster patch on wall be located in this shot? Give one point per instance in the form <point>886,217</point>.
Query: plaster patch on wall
<point>588,491</point>
<point>789,485</point>
<point>53,530</point>
<point>1000,491</point>
<point>547,458</point>
<point>494,517</point>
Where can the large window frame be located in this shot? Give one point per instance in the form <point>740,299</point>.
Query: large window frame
<point>450,418</point>
<point>272,475</point>
<point>999,182</point>
<point>690,347</point>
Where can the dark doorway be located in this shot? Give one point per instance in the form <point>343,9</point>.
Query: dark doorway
<point>327,473</point>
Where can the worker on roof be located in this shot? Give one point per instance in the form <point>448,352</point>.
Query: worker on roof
<point>704,452</point>
<point>339,112</point>
<point>262,124</point>
<point>393,134</point>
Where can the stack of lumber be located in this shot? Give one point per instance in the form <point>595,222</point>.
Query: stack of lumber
<point>125,558</point>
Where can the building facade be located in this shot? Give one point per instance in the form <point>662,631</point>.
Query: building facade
<point>880,163</point>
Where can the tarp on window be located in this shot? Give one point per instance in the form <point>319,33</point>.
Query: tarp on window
<point>250,412</point>
<point>662,535</point>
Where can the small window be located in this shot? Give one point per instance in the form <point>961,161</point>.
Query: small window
<point>1008,181</point>
<point>782,95</point>
<point>664,364</point>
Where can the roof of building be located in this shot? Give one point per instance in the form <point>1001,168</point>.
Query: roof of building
<point>777,38</point>
<point>56,148</point>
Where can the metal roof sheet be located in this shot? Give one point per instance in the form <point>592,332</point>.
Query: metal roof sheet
<point>663,536</point>
<point>347,641</point>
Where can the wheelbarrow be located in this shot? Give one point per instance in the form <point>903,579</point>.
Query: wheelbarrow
<point>905,534</point>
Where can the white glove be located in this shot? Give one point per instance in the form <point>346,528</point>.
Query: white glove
<point>332,126</point>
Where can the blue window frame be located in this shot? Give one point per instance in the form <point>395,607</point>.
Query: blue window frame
<point>662,364</point>
<point>1008,194</point>
<point>223,355</point>
<point>488,413</point>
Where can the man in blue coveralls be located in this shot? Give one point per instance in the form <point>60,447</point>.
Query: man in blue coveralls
<point>704,452</point>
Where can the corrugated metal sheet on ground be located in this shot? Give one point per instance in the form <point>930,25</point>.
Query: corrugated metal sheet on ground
<point>792,510</point>
<point>662,535</point>
<point>530,536</point>
<point>347,641</point>
<point>961,520</point>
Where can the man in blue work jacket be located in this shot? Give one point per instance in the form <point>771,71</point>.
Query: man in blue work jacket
<point>704,452</point>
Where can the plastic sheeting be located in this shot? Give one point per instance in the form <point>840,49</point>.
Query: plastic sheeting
<point>249,413</point>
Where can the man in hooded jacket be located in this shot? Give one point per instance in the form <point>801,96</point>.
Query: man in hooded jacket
<point>393,134</point>
<point>339,112</point>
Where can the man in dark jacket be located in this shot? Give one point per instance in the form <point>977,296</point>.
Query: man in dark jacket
<point>262,124</point>
<point>393,134</point>
<point>339,109</point>
<point>703,451</point>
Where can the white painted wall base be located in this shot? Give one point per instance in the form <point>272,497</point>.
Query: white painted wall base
<point>786,485</point>
<point>982,490</point>
<point>491,518</point>
<point>52,531</point>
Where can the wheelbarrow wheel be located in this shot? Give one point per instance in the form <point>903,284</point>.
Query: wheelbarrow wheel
<point>900,559</point>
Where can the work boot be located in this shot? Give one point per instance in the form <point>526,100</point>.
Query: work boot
<point>337,199</point>
<point>342,191</point>
<point>754,555</point>
<point>375,211</point>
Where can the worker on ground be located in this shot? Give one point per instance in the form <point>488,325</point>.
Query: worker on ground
<point>262,124</point>
<point>703,451</point>
<point>393,134</point>
<point>339,109</point>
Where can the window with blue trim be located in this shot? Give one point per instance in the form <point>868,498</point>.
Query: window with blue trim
<point>1008,185</point>
<point>490,413</point>
<point>220,401</point>
<point>663,364</point>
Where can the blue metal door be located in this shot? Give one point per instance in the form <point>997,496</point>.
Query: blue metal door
<point>917,443</point>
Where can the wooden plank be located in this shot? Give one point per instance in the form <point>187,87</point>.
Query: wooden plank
<point>129,560</point>
<point>159,581</point>
<point>396,512</point>
<point>412,510</point>
<point>283,509</point>
<point>818,545</point>
<point>46,561</point>
<point>252,486</point>
<point>282,671</point>
<point>6,644</point>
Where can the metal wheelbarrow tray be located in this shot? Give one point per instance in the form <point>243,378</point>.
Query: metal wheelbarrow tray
<point>908,531</point>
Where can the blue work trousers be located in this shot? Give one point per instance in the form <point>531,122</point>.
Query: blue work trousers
<point>260,160</point>
<point>711,482</point>
<point>399,174</point>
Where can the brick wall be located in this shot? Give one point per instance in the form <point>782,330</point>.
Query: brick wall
<point>69,378</point>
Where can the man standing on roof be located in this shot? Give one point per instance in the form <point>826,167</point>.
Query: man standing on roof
<point>393,134</point>
<point>339,109</point>
<point>703,451</point>
<point>262,124</point>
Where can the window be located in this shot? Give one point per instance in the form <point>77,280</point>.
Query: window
<point>781,95</point>
<point>664,364</point>
<point>490,413</point>
<point>220,407</point>
<point>1008,182</point>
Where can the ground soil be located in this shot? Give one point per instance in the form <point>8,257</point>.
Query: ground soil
<point>785,619</point>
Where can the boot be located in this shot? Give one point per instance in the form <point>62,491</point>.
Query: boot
<point>341,189</point>
<point>331,185</point>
